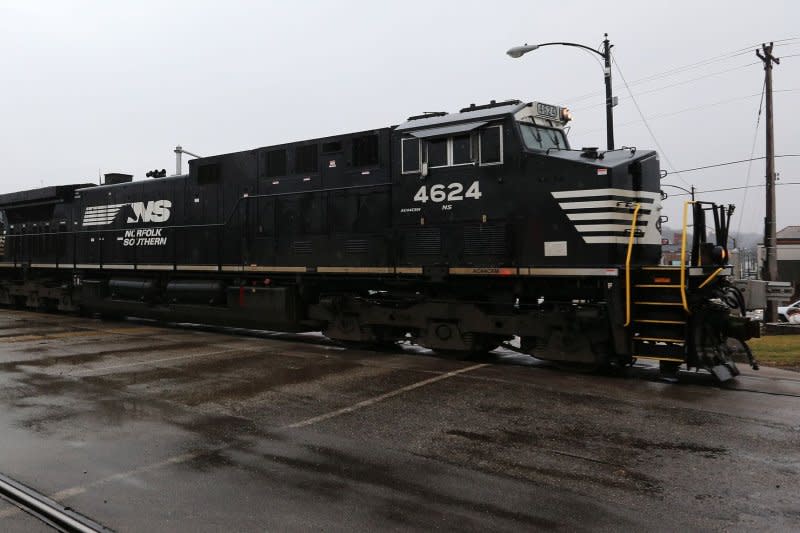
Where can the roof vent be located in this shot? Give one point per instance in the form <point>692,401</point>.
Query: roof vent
<point>491,104</point>
<point>114,178</point>
<point>428,114</point>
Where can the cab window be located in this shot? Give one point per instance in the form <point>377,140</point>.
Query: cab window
<point>538,138</point>
<point>491,145</point>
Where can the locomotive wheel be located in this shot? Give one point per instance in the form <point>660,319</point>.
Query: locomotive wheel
<point>364,337</point>
<point>479,346</point>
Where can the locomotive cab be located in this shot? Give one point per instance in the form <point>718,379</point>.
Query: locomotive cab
<point>498,186</point>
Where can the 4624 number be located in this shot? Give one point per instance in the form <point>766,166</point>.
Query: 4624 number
<point>452,192</point>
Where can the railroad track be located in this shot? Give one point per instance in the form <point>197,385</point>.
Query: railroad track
<point>45,509</point>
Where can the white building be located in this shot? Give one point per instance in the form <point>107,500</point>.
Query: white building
<point>788,244</point>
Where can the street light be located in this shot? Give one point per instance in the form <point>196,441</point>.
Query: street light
<point>519,51</point>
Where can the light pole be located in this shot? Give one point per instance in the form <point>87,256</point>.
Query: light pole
<point>519,51</point>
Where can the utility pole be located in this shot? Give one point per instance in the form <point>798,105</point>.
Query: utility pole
<point>771,262</point>
<point>610,103</point>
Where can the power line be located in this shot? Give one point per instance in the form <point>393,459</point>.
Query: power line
<point>752,151</point>
<point>737,188</point>
<point>690,66</point>
<point>658,76</point>
<point>635,103</point>
<point>731,163</point>
<point>685,110</point>
<point>676,84</point>
<point>689,109</point>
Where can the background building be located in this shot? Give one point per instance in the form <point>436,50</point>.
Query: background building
<point>788,243</point>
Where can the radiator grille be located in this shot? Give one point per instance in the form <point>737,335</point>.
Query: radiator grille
<point>426,241</point>
<point>356,246</point>
<point>301,247</point>
<point>485,240</point>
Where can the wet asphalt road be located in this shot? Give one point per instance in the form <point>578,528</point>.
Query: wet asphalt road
<point>147,428</point>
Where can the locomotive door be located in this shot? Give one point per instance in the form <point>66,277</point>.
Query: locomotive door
<point>234,245</point>
<point>262,248</point>
<point>199,236</point>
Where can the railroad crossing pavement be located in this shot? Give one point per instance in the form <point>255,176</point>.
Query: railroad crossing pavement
<point>149,428</point>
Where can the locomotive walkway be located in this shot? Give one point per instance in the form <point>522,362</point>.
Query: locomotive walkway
<point>147,428</point>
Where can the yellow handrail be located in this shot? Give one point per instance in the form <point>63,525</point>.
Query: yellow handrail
<point>628,267</point>
<point>683,256</point>
<point>710,277</point>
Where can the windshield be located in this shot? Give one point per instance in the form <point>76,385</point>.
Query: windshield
<point>538,138</point>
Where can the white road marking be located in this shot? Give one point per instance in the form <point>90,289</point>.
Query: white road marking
<point>80,489</point>
<point>381,397</point>
<point>154,361</point>
<point>182,458</point>
<point>176,459</point>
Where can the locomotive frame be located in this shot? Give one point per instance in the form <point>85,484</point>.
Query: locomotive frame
<point>460,231</point>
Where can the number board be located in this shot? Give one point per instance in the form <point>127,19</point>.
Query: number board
<point>546,110</point>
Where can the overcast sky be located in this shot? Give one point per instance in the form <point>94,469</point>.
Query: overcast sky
<point>88,87</point>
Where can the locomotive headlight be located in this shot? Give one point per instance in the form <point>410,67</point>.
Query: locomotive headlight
<point>566,114</point>
<point>719,255</point>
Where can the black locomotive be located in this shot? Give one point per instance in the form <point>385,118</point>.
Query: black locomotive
<point>459,231</point>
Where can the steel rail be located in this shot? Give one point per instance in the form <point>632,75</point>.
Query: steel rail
<point>46,509</point>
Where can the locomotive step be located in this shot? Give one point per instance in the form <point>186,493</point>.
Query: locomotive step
<point>670,277</point>
<point>660,339</point>
<point>659,315</point>
<point>658,358</point>
<point>657,294</point>
<point>656,321</point>
<point>666,304</point>
<point>662,332</point>
<point>656,286</point>
<point>672,351</point>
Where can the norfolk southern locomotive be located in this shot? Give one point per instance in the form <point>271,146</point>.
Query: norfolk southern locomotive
<point>459,231</point>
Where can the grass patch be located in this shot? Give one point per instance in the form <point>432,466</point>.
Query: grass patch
<point>777,350</point>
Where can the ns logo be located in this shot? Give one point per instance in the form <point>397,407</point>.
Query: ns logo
<point>152,211</point>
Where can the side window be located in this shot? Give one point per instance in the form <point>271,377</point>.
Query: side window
<point>276,163</point>
<point>436,151</point>
<point>305,159</point>
<point>365,151</point>
<point>491,146</point>
<point>440,152</point>
<point>410,147</point>
<point>462,149</point>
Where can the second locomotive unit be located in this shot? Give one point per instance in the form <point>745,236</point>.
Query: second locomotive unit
<point>458,230</point>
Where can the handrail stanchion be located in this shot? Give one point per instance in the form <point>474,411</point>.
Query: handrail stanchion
<point>683,256</point>
<point>628,267</point>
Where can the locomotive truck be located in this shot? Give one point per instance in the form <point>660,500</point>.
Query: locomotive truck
<point>459,231</point>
